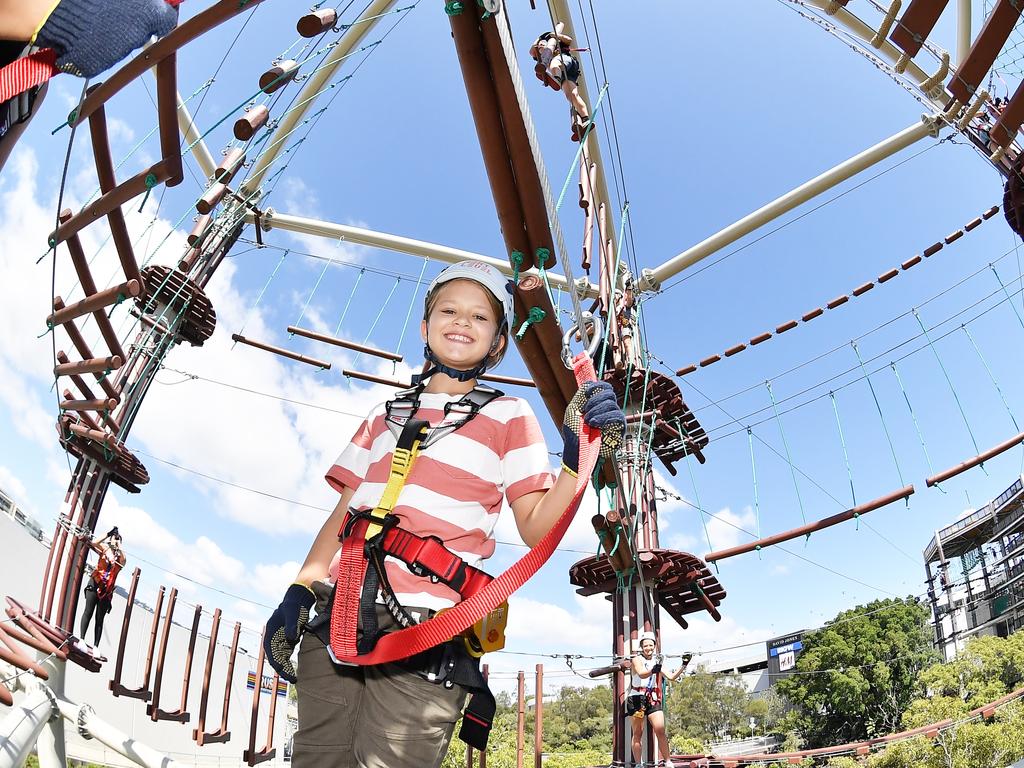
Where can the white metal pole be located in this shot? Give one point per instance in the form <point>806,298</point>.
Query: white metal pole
<point>88,723</point>
<point>926,126</point>
<point>347,43</point>
<point>274,220</point>
<point>560,13</point>
<point>200,151</point>
<point>22,726</point>
<point>52,747</point>
<point>963,30</point>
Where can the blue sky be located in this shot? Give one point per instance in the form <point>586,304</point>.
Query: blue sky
<point>716,113</point>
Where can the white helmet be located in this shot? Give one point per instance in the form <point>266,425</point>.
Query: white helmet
<point>487,276</point>
<point>646,636</point>
<point>498,286</point>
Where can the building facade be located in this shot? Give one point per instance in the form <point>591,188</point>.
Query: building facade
<point>975,572</point>
<point>10,508</point>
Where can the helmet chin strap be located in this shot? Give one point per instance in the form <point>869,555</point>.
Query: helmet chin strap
<point>459,375</point>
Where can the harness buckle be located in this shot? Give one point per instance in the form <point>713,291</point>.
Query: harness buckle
<point>386,523</point>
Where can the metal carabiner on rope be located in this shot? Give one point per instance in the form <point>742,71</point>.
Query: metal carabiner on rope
<point>594,322</point>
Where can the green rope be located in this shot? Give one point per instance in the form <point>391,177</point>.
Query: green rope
<point>316,285</point>
<point>535,316</point>
<point>541,258</point>
<point>380,314</point>
<point>950,383</point>
<point>696,493</point>
<point>579,151</point>
<point>517,264</point>
<point>263,290</point>
<point>913,417</point>
<point>453,8</point>
<point>613,280</point>
<point>337,330</point>
<point>991,377</point>
<point>408,314</point>
<point>150,183</point>
<point>1005,293</point>
<point>878,407</point>
<point>753,473</point>
<point>789,459</point>
<point>842,440</point>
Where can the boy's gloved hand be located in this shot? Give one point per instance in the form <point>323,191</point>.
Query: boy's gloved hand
<point>593,404</point>
<point>285,626</point>
<point>91,36</point>
<point>656,668</point>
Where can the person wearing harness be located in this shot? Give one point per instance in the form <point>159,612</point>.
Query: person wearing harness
<point>99,592</point>
<point>557,67</point>
<point>459,451</point>
<point>40,38</point>
<point>644,697</point>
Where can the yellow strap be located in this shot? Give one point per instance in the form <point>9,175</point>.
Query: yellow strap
<point>46,18</point>
<point>401,465</point>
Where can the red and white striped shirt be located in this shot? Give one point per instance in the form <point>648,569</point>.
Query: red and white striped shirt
<point>456,486</point>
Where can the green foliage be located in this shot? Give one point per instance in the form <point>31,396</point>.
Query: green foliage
<point>842,762</point>
<point>876,653</point>
<point>707,707</point>
<point>685,745</point>
<point>579,719</point>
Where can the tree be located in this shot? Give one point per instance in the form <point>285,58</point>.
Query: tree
<point>707,707</point>
<point>857,675</point>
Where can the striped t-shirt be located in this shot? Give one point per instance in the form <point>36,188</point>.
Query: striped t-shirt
<point>456,485</point>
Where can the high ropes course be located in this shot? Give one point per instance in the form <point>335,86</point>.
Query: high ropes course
<point>577,283</point>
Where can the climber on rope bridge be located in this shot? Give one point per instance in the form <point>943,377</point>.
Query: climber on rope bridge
<point>421,484</point>
<point>41,38</point>
<point>559,69</point>
<point>99,592</point>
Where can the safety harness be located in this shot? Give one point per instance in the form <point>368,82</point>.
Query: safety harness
<point>483,604</point>
<point>368,536</point>
<point>20,81</point>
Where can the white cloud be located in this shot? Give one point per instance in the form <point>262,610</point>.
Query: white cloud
<point>727,529</point>
<point>13,486</point>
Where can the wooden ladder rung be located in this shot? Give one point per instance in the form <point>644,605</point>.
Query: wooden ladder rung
<point>94,302</point>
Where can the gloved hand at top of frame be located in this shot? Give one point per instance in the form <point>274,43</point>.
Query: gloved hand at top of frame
<point>284,628</point>
<point>91,36</point>
<point>594,404</point>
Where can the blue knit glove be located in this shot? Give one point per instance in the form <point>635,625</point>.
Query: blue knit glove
<point>91,36</point>
<point>285,626</point>
<point>594,404</point>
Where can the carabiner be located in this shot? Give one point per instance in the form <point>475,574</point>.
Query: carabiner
<point>595,323</point>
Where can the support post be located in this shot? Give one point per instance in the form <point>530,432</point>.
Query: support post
<point>50,744</point>
<point>963,30</point>
<point>520,717</point>
<point>538,718</point>
<point>22,727</point>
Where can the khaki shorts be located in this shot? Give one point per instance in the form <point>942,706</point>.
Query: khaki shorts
<point>368,717</point>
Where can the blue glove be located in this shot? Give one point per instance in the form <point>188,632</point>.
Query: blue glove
<point>284,627</point>
<point>91,36</point>
<point>594,404</point>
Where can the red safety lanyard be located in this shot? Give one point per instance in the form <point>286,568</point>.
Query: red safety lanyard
<point>27,72</point>
<point>454,621</point>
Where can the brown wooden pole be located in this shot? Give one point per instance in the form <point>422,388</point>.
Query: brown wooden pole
<point>538,718</point>
<point>96,301</point>
<point>153,710</point>
<point>487,118</point>
<point>115,683</point>
<point>345,344</point>
<point>817,525</point>
<point>520,717</point>
<point>282,352</point>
